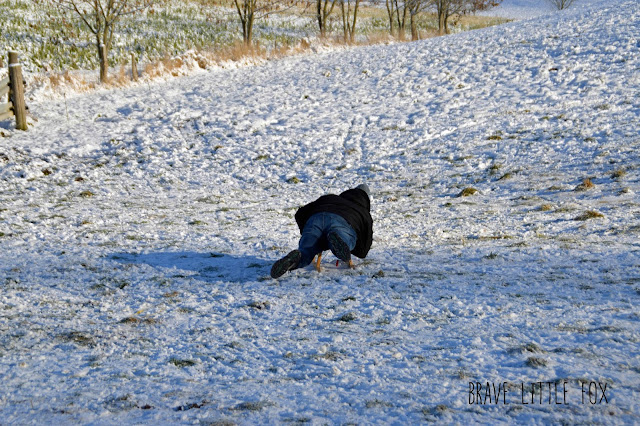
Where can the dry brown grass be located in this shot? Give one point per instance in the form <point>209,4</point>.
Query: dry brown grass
<point>467,192</point>
<point>618,174</point>
<point>585,185</point>
<point>589,214</point>
<point>239,51</point>
<point>546,207</point>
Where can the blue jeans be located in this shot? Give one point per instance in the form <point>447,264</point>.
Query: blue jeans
<point>314,235</point>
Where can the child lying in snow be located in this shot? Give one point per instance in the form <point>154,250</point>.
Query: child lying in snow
<point>341,223</point>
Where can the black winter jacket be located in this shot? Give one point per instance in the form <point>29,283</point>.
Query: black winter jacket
<point>354,206</point>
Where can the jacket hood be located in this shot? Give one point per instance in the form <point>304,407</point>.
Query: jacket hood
<point>357,196</point>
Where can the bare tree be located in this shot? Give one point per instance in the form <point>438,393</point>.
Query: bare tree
<point>101,16</point>
<point>349,19</point>
<point>561,4</point>
<point>324,9</point>
<point>415,7</point>
<point>397,13</point>
<point>445,9</point>
<point>251,10</point>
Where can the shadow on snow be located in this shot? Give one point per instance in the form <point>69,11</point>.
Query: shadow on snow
<point>210,266</point>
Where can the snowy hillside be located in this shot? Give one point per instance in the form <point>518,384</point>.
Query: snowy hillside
<point>523,9</point>
<point>138,227</point>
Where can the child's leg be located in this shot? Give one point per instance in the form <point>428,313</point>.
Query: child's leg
<point>311,240</point>
<point>340,227</point>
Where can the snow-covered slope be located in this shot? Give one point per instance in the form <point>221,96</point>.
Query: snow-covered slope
<point>523,9</point>
<point>137,229</point>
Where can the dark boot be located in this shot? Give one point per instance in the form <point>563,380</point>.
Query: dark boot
<point>287,263</point>
<point>339,248</point>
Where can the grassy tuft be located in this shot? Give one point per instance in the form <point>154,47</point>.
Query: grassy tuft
<point>182,363</point>
<point>589,214</point>
<point>536,362</point>
<point>546,207</point>
<point>348,317</point>
<point>585,185</point>
<point>467,192</point>
<point>618,174</point>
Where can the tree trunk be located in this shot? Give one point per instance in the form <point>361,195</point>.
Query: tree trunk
<point>414,28</point>
<point>104,62</point>
<point>390,13</point>
<point>352,34</point>
<point>249,29</point>
<point>345,26</point>
<point>442,22</point>
<point>319,17</point>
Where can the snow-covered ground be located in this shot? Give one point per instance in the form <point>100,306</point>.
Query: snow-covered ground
<point>524,9</point>
<point>138,227</point>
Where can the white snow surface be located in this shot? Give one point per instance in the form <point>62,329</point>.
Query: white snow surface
<point>524,9</point>
<point>138,227</point>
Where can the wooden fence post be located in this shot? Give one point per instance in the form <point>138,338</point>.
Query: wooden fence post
<point>134,67</point>
<point>16,93</point>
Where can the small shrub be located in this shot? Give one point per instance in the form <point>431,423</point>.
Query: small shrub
<point>546,207</point>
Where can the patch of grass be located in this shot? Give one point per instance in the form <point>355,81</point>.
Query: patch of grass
<point>191,406</point>
<point>546,207</point>
<point>379,274</point>
<point>259,305</point>
<point>252,406</point>
<point>134,320</point>
<point>618,174</point>
<point>293,180</point>
<point>589,214</point>
<point>495,168</point>
<point>536,362</point>
<point>87,194</point>
<point>529,347</point>
<point>585,185</point>
<point>506,176</point>
<point>348,317</point>
<point>467,192</point>
<point>78,338</point>
<point>376,403</point>
<point>182,363</point>
<point>329,356</point>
